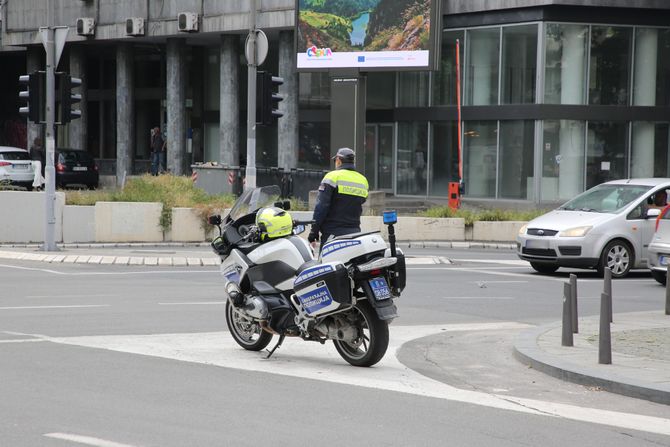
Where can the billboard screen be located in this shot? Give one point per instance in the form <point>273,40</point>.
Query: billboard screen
<point>365,34</point>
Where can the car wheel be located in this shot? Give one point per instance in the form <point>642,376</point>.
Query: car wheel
<point>661,277</point>
<point>543,268</point>
<point>618,257</point>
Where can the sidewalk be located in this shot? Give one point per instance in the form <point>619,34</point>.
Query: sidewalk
<point>640,355</point>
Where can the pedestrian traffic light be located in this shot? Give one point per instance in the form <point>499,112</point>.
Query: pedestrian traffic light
<point>267,99</point>
<point>68,99</point>
<point>34,95</point>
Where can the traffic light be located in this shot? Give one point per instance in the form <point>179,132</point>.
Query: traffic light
<point>267,99</point>
<point>68,99</point>
<point>34,95</point>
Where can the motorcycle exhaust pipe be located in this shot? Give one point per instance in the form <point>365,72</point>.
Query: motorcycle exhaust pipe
<point>332,332</point>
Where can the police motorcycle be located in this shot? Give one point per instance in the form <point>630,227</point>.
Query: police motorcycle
<point>274,285</point>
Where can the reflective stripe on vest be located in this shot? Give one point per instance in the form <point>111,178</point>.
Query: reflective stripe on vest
<point>348,182</point>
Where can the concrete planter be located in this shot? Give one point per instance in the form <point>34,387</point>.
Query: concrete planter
<point>128,222</point>
<point>78,224</point>
<point>496,231</point>
<point>23,216</point>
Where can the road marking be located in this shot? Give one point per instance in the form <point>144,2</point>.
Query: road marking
<point>515,262</point>
<point>99,295</point>
<point>86,440</point>
<point>499,282</point>
<point>54,307</point>
<point>313,361</point>
<point>478,298</point>
<point>94,273</point>
<point>23,340</point>
<point>201,303</point>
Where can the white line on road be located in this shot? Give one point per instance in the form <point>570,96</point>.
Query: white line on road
<point>201,303</point>
<point>94,273</point>
<point>86,440</point>
<point>99,295</point>
<point>76,306</point>
<point>311,361</point>
<point>498,282</point>
<point>478,298</point>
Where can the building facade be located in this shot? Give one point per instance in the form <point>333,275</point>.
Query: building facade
<point>558,95</point>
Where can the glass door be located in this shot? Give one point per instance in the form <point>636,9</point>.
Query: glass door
<point>379,156</point>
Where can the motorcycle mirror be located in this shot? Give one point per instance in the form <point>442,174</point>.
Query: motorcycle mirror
<point>214,220</point>
<point>287,205</point>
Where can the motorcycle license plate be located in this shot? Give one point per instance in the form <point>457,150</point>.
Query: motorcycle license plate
<point>380,289</point>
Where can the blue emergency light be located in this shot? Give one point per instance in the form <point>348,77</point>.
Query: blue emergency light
<point>390,217</point>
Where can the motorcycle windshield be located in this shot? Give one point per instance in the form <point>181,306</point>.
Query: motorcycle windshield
<point>254,199</point>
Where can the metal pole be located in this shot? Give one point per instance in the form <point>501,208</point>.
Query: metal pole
<point>251,101</point>
<point>667,291</point>
<point>605,338</point>
<point>566,338</point>
<point>573,303</point>
<point>50,196</point>
<point>607,288</point>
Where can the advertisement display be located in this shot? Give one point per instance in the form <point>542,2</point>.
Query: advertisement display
<point>366,34</point>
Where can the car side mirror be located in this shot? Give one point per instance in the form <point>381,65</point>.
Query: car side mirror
<point>214,220</point>
<point>653,213</point>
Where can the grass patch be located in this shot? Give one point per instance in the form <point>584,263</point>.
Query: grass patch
<point>172,191</point>
<point>492,215</point>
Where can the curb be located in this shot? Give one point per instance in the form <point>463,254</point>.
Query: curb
<point>527,352</point>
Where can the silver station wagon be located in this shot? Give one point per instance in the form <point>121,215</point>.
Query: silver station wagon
<point>610,225</point>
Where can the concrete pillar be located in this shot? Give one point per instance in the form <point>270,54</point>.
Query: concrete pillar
<point>78,128</point>
<point>125,112</point>
<point>229,122</point>
<point>34,63</point>
<point>571,174</point>
<point>287,156</point>
<point>176,107</point>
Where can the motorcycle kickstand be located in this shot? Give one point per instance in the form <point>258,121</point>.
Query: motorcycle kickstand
<point>281,340</point>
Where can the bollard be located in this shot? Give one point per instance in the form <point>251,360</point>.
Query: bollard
<point>667,292</point>
<point>566,338</point>
<point>607,288</point>
<point>605,337</point>
<point>573,303</point>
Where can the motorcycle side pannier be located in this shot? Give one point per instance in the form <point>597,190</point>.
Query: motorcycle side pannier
<point>323,288</point>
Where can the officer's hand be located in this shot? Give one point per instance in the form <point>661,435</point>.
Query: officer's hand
<point>313,236</point>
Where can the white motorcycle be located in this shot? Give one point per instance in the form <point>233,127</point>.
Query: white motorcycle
<point>275,286</point>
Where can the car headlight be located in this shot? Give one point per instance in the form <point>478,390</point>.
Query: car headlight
<point>575,232</point>
<point>522,230</point>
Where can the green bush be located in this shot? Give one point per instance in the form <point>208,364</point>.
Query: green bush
<point>492,215</point>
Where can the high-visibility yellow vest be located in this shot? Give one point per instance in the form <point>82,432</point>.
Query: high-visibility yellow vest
<point>347,182</point>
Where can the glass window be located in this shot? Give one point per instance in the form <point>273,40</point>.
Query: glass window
<point>519,64</point>
<point>444,80</point>
<point>480,148</point>
<point>606,152</point>
<point>652,67</point>
<point>609,77</point>
<point>380,90</point>
<point>314,146</point>
<point>651,148</point>
<point>444,158</point>
<point>606,198</point>
<point>412,158</point>
<point>566,47</point>
<point>482,67</point>
<point>413,88</point>
<point>314,90</point>
<point>517,142</point>
<point>562,160</point>
<point>212,78</point>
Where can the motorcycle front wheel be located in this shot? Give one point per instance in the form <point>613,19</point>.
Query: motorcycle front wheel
<point>246,332</point>
<point>373,336</point>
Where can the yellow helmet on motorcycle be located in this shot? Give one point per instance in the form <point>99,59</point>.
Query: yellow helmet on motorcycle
<point>273,223</point>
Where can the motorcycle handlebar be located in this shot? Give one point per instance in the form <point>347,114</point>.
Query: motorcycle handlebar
<point>303,222</point>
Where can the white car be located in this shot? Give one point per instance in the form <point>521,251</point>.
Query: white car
<point>659,248</point>
<point>610,225</point>
<point>16,166</point>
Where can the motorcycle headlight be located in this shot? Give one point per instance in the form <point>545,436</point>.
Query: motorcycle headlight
<point>522,230</point>
<point>575,232</point>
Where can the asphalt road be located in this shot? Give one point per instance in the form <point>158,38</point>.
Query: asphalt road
<point>114,356</point>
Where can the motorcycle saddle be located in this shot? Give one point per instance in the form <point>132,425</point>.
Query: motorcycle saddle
<point>307,265</point>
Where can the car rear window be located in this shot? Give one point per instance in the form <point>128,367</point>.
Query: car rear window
<point>74,156</point>
<point>11,156</point>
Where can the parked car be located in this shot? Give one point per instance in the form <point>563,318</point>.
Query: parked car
<point>76,167</point>
<point>16,166</point>
<point>609,225</point>
<point>659,248</point>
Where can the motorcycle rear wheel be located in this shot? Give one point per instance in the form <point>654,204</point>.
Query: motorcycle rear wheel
<point>373,337</point>
<point>246,332</point>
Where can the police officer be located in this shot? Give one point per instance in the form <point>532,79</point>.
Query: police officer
<point>339,204</point>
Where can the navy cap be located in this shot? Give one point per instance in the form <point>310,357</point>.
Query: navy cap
<point>346,154</point>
